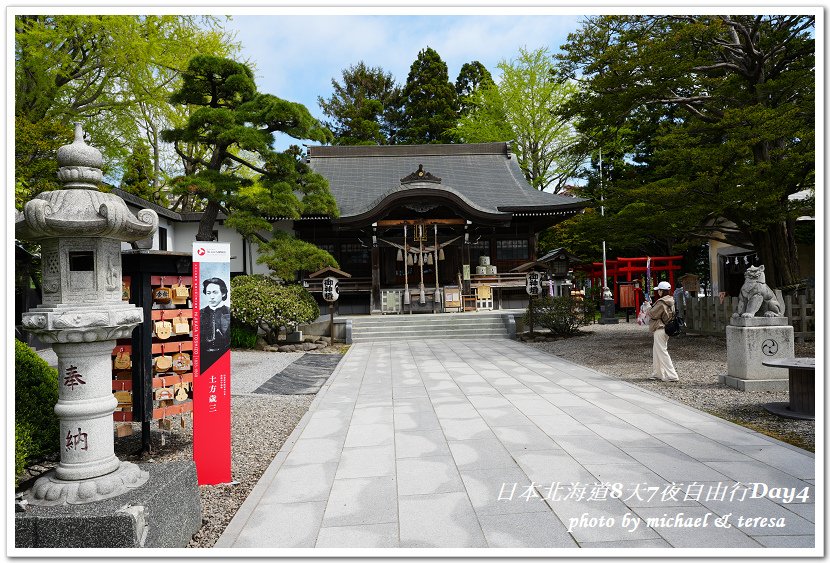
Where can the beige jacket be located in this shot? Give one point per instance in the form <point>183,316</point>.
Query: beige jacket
<point>660,312</point>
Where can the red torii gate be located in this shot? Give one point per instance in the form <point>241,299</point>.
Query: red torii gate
<point>631,269</point>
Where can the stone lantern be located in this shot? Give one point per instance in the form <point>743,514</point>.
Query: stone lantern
<point>80,230</point>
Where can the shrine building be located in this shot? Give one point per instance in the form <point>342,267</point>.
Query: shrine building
<point>453,218</point>
<point>419,218</point>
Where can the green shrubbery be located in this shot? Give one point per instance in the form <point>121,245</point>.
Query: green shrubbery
<point>22,440</point>
<point>561,315</point>
<point>36,426</point>
<point>260,301</point>
<point>243,336</point>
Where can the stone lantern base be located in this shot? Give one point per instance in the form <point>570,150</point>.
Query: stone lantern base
<point>49,490</point>
<point>164,512</point>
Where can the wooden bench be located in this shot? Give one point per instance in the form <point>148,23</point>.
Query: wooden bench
<point>802,403</point>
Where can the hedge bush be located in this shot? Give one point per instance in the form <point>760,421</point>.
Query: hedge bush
<point>37,429</point>
<point>561,315</point>
<point>22,440</point>
<point>243,336</point>
<point>260,301</point>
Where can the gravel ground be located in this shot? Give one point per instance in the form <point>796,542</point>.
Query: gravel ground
<point>252,368</point>
<point>623,351</point>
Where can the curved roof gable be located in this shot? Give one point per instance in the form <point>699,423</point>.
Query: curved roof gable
<point>424,190</point>
<point>484,176</point>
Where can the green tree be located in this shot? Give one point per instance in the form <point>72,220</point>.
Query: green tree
<point>35,147</point>
<point>630,228</point>
<point>719,113</point>
<point>523,107</point>
<point>362,107</point>
<point>286,256</point>
<point>471,77</point>
<point>138,174</point>
<point>428,103</point>
<point>238,171</point>
<point>100,70</point>
<point>485,119</point>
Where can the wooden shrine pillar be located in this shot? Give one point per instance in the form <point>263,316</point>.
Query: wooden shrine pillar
<point>534,245</point>
<point>374,299</point>
<point>465,259</point>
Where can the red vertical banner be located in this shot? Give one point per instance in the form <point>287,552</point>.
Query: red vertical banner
<point>211,362</point>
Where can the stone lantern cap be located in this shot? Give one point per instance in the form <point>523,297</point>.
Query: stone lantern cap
<point>80,210</point>
<point>79,154</point>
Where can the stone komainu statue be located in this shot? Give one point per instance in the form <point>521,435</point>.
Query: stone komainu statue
<point>756,297</point>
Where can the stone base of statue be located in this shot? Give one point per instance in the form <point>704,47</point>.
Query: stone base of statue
<point>164,511</point>
<point>751,341</point>
<point>608,314</point>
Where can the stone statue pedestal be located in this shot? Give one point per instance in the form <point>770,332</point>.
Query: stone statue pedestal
<point>751,341</point>
<point>609,316</point>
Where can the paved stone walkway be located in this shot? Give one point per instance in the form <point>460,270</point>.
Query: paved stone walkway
<point>422,444</point>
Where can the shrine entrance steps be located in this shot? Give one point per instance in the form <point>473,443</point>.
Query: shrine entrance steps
<point>475,325</point>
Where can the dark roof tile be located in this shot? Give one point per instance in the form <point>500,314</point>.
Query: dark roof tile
<point>483,173</point>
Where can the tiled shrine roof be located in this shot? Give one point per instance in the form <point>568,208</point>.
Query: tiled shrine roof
<point>485,176</point>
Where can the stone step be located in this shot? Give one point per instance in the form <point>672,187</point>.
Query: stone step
<point>429,333</point>
<point>436,316</point>
<point>431,336</point>
<point>405,327</point>
<point>426,329</point>
<point>429,322</point>
<point>426,326</point>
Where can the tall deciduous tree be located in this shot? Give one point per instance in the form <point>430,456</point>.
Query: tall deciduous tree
<point>429,102</point>
<point>101,70</point>
<point>238,171</point>
<point>721,110</point>
<point>523,107</point>
<point>362,107</point>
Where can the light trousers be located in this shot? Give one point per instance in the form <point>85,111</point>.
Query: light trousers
<point>662,366</point>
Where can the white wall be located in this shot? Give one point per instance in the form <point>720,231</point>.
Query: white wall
<point>181,235</point>
<point>714,264</point>
<point>163,222</point>
<point>186,235</point>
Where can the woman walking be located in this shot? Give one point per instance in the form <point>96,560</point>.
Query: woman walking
<point>660,313</point>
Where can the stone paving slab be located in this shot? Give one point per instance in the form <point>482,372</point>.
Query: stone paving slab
<point>439,520</point>
<point>365,536</point>
<point>477,444</point>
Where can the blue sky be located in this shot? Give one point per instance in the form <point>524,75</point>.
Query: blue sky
<point>296,56</point>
